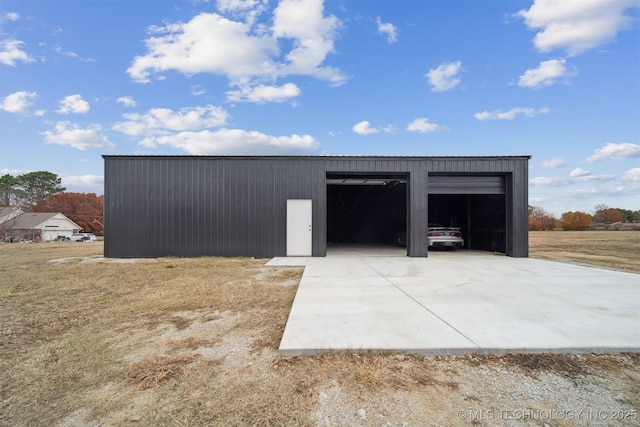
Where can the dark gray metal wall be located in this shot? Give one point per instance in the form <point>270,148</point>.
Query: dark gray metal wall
<point>236,206</point>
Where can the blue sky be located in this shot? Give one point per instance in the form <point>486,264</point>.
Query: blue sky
<point>554,79</point>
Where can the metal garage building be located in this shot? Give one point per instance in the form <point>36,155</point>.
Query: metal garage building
<point>265,206</point>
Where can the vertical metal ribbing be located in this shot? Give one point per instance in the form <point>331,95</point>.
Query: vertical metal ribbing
<point>229,206</point>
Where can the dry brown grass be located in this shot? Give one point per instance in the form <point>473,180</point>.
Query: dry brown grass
<point>363,373</point>
<point>68,327</point>
<point>619,250</point>
<point>191,342</point>
<point>154,370</point>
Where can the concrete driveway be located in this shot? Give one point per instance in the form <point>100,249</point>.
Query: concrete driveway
<point>459,303</point>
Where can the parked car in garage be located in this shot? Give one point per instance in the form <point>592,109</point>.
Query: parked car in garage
<point>440,236</point>
<point>437,236</point>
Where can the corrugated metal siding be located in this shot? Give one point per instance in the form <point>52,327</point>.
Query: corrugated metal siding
<point>519,203</point>
<point>417,209</point>
<point>236,206</point>
<point>467,184</point>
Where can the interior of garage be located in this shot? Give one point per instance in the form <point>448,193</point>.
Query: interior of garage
<point>482,218</point>
<point>366,209</point>
<point>372,209</point>
<point>476,204</point>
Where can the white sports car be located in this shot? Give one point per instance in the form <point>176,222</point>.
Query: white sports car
<point>440,236</point>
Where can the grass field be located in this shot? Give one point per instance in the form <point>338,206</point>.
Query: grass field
<point>193,342</point>
<point>619,250</point>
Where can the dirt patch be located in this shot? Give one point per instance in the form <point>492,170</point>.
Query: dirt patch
<point>281,276</point>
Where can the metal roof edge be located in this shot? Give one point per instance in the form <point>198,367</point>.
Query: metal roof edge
<point>309,157</point>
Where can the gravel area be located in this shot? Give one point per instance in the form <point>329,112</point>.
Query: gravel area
<point>396,390</point>
<point>493,392</point>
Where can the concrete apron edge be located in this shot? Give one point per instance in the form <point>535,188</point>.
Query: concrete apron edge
<point>290,349</point>
<point>432,352</point>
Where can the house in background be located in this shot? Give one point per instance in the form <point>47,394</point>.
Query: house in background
<point>9,213</point>
<point>37,226</point>
<point>7,219</point>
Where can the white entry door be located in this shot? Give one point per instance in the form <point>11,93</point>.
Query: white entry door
<point>299,228</point>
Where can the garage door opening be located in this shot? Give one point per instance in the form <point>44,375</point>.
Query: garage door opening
<point>482,219</point>
<point>366,209</point>
<point>476,204</point>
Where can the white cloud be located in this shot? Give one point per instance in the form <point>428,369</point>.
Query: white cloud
<point>422,125</point>
<point>83,181</point>
<point>583,193</point>
<point>58,49</point>
<point>10,49</point>
<point>18,102</point>
<point>208,43</point>
<point>511,114</point>
<point>364,128</point>
<point>11,52</point>
<point>234,142</point>
<point>546,180</point>
<point>615,151</point>
<point>579,172</point>
<point>4,171</point>
<point>632,175</point>
<point>164,120</point>
<point>576,176</point>
<point>73,104</point>
<point>263,93</point>
<point>312,35</point>
<point>127,101</point>
<point>248,54</point>
<point>547,73</point>
<point>189,130</point>
<point>248,10</point>
<point>72,135</point>
<point>238,5</point>
<point>197,90</point>
<point>387,29</point>
<point>576,26</point>
<point>444,77</point>
<point>553,163</point>
<point>591,178</point>
<point>10,16</point>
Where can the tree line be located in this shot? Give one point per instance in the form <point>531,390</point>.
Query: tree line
<point>540,220</point>
<point>42,191</point>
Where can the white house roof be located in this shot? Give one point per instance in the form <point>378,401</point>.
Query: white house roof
<point>37,220</point>
<point>8,213</point>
